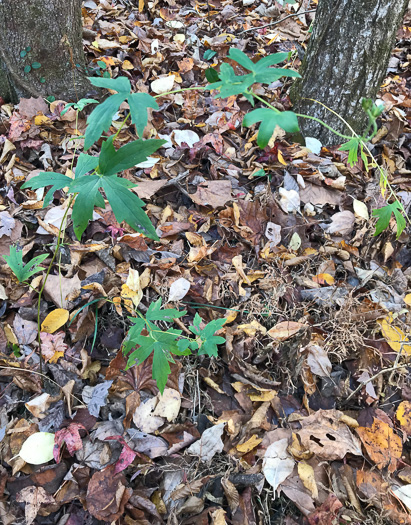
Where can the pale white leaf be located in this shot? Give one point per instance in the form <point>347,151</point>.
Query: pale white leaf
<point>360,209</point>
<point>273,233</point>
<point>163,84</point>
<point>168,404</point>
<point>313,145</point>
<point>317,360</point>
<point>295,242</point>
<point>179,289</point>
<point>404,494</point>
<point>342,223</point>
<point>209,444</point>
<point>277,463</point>
<point>187,136</point>
<point>38,448</point>
<point>149,163</point>
<point>290,200</point>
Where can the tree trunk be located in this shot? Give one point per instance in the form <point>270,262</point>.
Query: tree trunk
<point>41,51</point>
<point>346,60</point>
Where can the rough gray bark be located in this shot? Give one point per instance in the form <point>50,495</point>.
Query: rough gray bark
<point>346,60</point>
<point>53,31</point>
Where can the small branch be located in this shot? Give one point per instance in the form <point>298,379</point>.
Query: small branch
<point>278,21</point>
<point>363,383</point>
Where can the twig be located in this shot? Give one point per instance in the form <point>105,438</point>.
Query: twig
<point>278,21</point>
<point>359,387</point>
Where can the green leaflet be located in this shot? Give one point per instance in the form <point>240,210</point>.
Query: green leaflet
<point>101,117</point>
<point>352,147</point>
<point>120,84</point>
<point>23,271</point>
<point>112,161</point>
<point>85,164</point>
<point>269,118</point>
<point>127,206</point>
<point>87,189</point>
<point>57,181</point>
<point>384,217</point>
<point>139,103</point>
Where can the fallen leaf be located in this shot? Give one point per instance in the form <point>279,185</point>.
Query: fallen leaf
<point>317,360</point>
<point>127,454</point>
<point>52,346</point>
<point>178,289</point>
<point>144,417</point>
<point>382,444</point>
<point>403,416</point>
<point>71,437</point>
<point>342,222</point>
<point>38,448</point>
<point>209,444</point>
<point>327,437</point>
<point>98,397</point>
<point>214,193</point>
<point>251,443</point>
<point>394,336</point>
<point>132,288</point>
<point>107,495</point>
<point>404,495</point>
<point>55,320</point>
<point>33,497</point>
<point>284,330</point>
<point>277,463</point>
<point>306,473</point>
<point>163,84</point>
<point>168,404</point>
<point>360,209</point>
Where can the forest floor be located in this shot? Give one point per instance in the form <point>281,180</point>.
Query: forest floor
<point>304,416</point>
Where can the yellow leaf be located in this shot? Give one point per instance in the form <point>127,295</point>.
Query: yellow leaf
<point>55,320</point>
<point>56,357</point>
<point>249,445</point>
<point>281,158</point>
<point>263,395</point>
<point>252,328</point>
<point>382,444</point>
<point>306,473</point>
<point>127,65</point>
<point>40,120</point>
<point>394,336</point>
<point>230,317</point>
<point>10,335</point>
<point>404,416</point>
<point>407,299</point>
<point>324,278</point>
<point>140,6</point>
<point>132,288</point>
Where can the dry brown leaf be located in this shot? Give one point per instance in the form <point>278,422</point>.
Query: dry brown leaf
<point>214,193</point>
<point>284,330</point>
<point>33,497</point>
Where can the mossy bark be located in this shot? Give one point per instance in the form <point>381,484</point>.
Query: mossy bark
<point>52,31</point>
<point>346,60</point>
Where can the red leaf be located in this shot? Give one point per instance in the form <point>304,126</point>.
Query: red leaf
<point>127,454</point>
<point>71,437</point>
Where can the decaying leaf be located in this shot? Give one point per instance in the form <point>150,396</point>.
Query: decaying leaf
<point>277,463</point>
<point>382,444</point>
<point>209,444</point>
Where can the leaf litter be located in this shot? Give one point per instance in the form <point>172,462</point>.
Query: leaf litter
<point>304,416</point>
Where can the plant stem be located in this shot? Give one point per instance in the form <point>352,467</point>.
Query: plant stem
<point>179,91</point>
<point>325,125</point>
<point>62,227</point>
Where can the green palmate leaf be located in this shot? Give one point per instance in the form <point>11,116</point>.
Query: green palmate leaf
<point>384,217</point>
<point>230,83</point>
<point>57,181</point>
<point>127,206</point>
<point>112,161</point>
<point>287,120</point>
<point>101,118</point>
<point>269,60</point>
<point>352,147</point>
<point>23,271</point>
<point>85,164</point>
<point>241,58</point>
<point>154,312</point>
<point>139,103</point>
<point>209,341</point>
<point>120,84</point>
<point>87,189</point>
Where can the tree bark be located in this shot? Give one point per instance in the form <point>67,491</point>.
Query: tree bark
<point>346,60</point>
<point>48,34</point>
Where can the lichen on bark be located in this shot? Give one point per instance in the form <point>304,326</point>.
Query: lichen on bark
<point>52,31</point>
<point>346,60</point>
